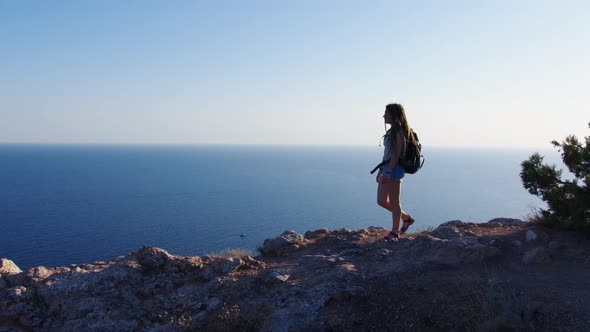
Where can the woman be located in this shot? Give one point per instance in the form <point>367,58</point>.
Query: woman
<point>391,174</point>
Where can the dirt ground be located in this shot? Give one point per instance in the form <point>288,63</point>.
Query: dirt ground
<point>502,294</point>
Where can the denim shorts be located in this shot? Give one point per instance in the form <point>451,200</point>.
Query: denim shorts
<point>397,173</point>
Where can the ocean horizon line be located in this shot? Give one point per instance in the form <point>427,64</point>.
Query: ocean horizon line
<point>293,145</point>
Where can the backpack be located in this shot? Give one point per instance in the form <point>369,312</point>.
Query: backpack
<point>412,159</point>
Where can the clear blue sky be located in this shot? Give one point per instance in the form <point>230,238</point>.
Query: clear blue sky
<point>469,73</point>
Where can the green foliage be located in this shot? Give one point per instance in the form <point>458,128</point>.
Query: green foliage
<point>568,201</point>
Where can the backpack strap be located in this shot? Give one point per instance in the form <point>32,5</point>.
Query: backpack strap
<point>379,166</point>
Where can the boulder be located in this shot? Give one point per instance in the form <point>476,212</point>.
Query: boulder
<point>221,266</point>
<point>446,232</point>
<point>253,263</point>
<point>226,265</point>
<point>8,267</point>
<point>287,242</point>
<point>38,274</point>
<point>152,257</point>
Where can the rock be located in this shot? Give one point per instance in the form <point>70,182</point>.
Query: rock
<point>253,263</point>
<point>38,274</point>
<point>452,223</point>
<point>383,253</point>
<point>19,294</point>
<point>375,229</point>
<point>287,242</point>
<point>468,233</point>
<point>457,251</point>
<point>444,257</point>
<point>199,316</point>
<point>3,283</point>
<point>361,231</point>
<point>213,303</point>
<point>536,255</point>
<point>478,253</point>
<point>197,306</point>
<point>506,221</point>
<point>352,252</point>
<point>8,267</point>
<point>341,296</point>
<point>278,321</point>
<point>121,273</point>
<point>446,232</point>
<point>517,243</point>
<point>221,266</point>
<point>316,233</point>
<point>152,257</point>
<point>554,245</point>
<point>530,235</point>
<point>343,231</point>
<point>425,238</point>
<point>192,264</point>
<point>226,265</point>
<point>275,277</point>
<point>18,279</point>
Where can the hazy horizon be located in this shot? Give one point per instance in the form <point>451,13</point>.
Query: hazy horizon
<point>547,148</point>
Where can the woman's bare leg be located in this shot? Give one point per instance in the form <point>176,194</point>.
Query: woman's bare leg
<point>394,191</point>
<point>384,201</point>
<point>383,196</point>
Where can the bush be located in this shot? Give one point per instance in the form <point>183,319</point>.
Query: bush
<point>568,201</point>
<point>232,253</point>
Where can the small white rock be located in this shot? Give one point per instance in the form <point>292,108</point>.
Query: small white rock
<point>530,235</point>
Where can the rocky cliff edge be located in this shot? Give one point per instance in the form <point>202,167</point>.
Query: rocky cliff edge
<point>503,274</point>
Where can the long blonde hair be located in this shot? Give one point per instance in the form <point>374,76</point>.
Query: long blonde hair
<point>399,121</point>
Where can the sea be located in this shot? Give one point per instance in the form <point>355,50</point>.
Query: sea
<point>73,204</point>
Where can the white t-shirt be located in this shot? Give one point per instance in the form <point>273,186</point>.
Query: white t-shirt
<point>388,144</point>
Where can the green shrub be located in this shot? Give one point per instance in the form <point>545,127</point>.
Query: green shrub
<point>568,201</point>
